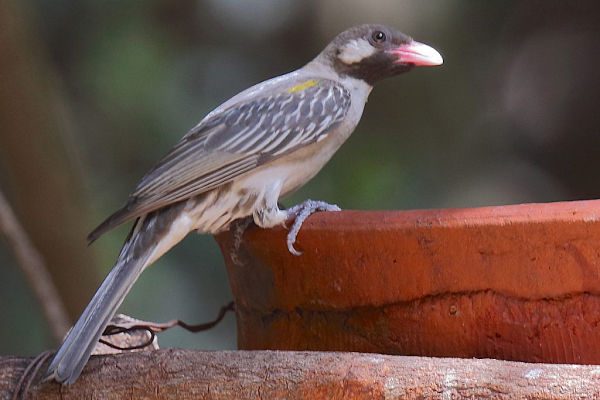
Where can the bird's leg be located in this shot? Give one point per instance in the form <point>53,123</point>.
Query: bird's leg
<point>300,213</point>
<point>269,215</point>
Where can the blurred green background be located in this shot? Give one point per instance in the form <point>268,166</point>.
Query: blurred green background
<point>92,93</point>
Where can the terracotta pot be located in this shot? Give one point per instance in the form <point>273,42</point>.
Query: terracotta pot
<point>514,282</point>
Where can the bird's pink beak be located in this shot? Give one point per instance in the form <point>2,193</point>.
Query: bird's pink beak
<point>417,54</point>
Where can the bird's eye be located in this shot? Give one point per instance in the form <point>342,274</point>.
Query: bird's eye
<point>379,37</point>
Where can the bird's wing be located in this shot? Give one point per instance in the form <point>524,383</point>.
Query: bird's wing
<point>237,140</point>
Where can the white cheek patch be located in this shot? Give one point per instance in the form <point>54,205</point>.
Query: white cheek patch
<point>355,51</point>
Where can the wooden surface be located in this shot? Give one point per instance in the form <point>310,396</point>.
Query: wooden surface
<point>181,374</point>
<point>514,282</point>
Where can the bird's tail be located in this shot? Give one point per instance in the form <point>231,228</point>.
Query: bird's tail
<point>151,237</point>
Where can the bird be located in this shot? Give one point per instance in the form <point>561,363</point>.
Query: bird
<point>259,146</point>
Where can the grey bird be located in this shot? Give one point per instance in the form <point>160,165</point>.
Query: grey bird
<point>254,149</point>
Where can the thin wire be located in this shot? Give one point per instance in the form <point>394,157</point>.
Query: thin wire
<point>154,328</point>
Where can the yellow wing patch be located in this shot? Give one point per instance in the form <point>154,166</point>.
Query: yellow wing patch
<point>304,85</point>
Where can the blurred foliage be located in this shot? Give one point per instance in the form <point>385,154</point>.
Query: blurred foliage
<point>510,117</point>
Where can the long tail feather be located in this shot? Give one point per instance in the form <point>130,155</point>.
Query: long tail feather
<point>152,234</point>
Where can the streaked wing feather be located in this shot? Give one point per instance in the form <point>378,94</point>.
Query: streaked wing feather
<point>197,186</point>
<point>234,142</point>
<point>136,206</point>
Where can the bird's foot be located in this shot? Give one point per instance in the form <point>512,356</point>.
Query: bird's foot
<point>299,213</point>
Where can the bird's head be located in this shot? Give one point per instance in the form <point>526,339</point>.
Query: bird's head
<point>374,52</point>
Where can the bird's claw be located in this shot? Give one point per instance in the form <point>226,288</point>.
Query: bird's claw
<point>299,214</point>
